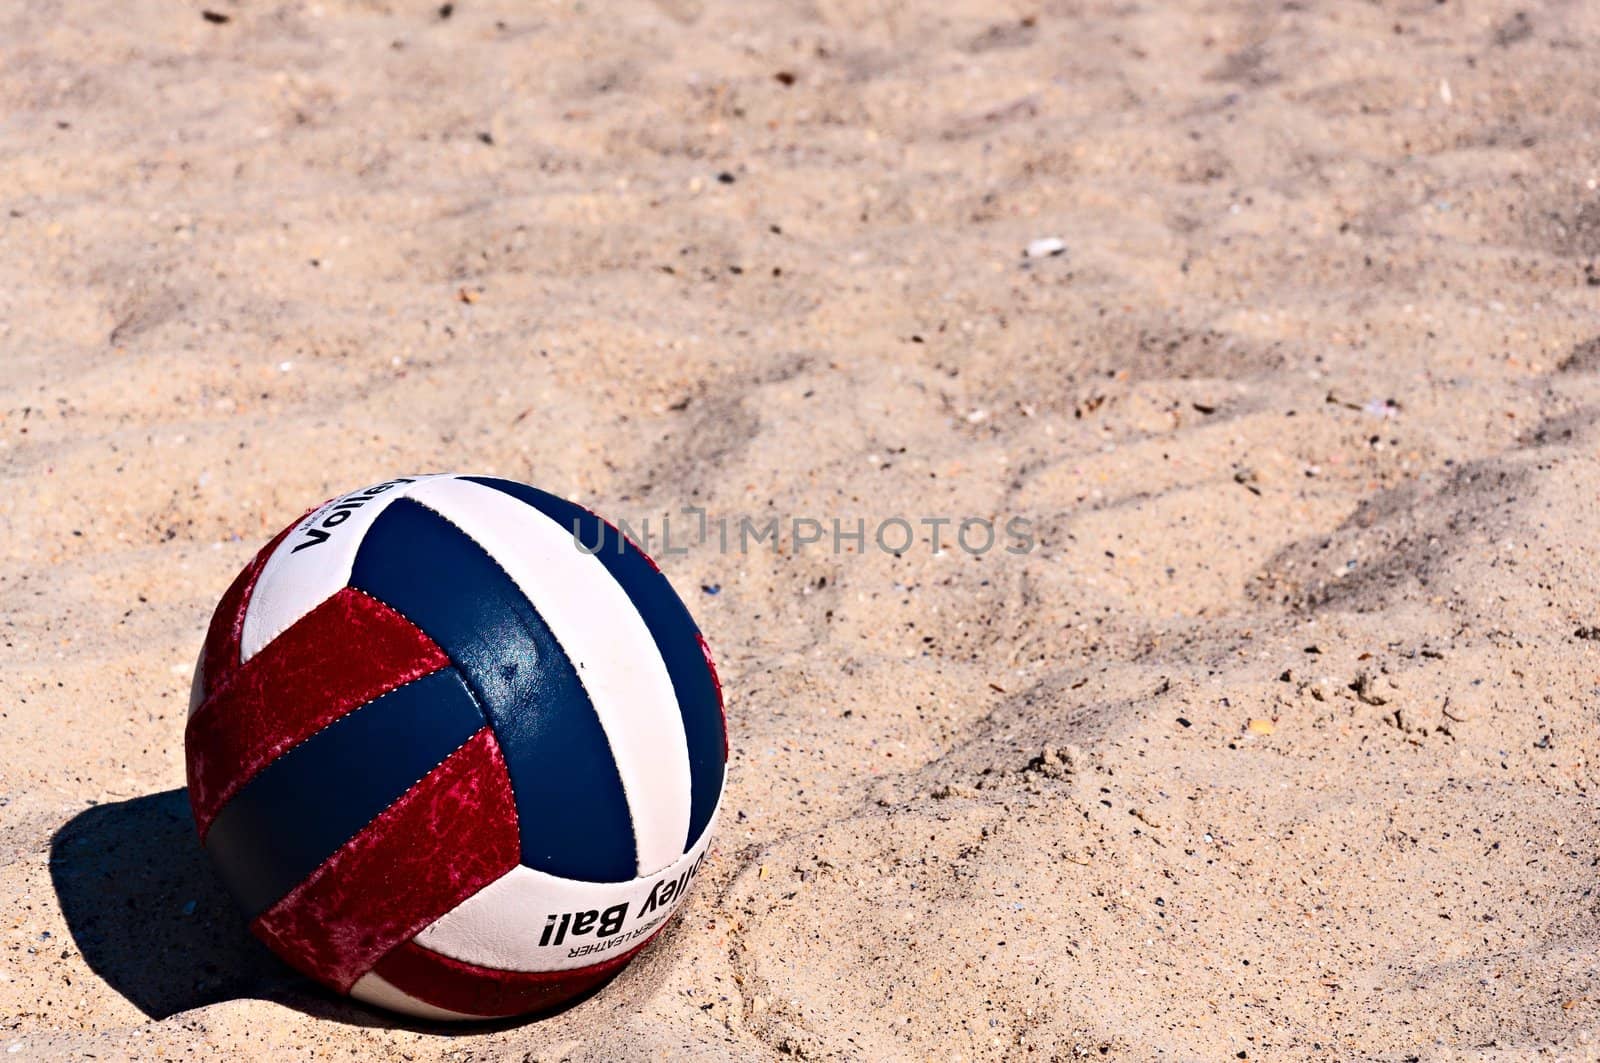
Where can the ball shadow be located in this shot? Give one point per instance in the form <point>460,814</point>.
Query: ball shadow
<point>151,918</point>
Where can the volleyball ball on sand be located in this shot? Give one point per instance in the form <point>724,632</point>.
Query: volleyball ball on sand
<point>455,746</point>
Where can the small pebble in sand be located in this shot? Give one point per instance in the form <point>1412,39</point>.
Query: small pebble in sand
<point>1045,247</point>
<point>1260,726</point>
<point>1365,690</point>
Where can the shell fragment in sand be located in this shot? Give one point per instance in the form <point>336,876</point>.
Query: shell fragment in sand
<point>1045,246</point>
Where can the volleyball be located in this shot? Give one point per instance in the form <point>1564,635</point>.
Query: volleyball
<point>455,747</point>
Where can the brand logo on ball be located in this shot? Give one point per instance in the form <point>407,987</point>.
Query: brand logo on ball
<point>603,924</point>
<point>336,513</point>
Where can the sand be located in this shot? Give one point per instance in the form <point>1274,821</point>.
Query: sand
<point>1281,742</point>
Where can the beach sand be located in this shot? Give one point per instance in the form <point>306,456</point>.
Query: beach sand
<point>1279,744</point>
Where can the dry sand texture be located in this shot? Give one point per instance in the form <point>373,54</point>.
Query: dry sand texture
<point>1304,417</point>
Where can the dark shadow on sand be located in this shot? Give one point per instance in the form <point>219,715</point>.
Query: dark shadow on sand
<point>152,919</point>
<point>150,916</point>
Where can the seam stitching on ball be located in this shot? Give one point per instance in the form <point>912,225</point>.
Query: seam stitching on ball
<point>336,721</point>
<point>516,816</point>
<point>633,825</point>
<point>274,752</point>
<point>322,868</point>
<point>373,597</point>
<point>229,793</point>
<point>312,512</point>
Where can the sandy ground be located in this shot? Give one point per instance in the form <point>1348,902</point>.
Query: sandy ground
<point>1282,742</point>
